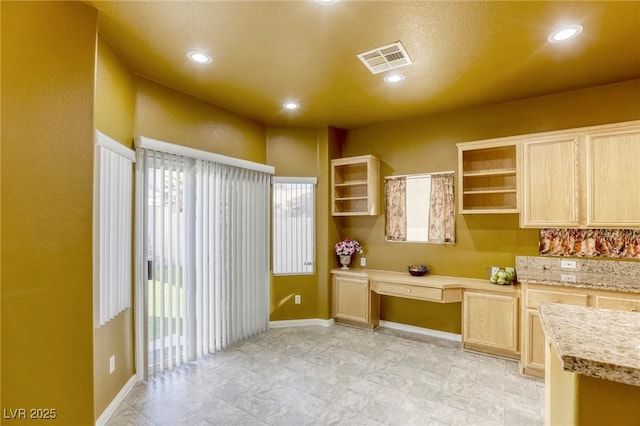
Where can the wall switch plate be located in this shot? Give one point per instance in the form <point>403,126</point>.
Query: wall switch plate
<point>570,278</point>
<point>297,299</point>
<point>568,264</point>
<point>363,261</point>
<point>112,364</point>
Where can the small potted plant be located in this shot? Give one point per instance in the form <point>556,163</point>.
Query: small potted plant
<point>345,249</point>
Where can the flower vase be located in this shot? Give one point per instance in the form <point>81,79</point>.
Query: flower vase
<point>345,260</point>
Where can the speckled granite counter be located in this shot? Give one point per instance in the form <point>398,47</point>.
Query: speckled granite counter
<point>596,274</point>
<point>586,344</point>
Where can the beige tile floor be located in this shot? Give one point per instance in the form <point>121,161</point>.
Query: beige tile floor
<point>338,376</point>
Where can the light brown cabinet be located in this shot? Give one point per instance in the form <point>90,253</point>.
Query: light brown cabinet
<point>490,323</point>
<point>532,360</point>
<point>613,161</point>
<point>585,178</point>
<point>487,176</point>
<point>355,183</point>
<point>354,303</point>
<point>550,194</point>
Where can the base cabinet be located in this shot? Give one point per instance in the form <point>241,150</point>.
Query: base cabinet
<point>532,361</point>
<point>490,323</point>
<point>354,303</point>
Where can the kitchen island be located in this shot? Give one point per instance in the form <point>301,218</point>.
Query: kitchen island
<point>592,370</point>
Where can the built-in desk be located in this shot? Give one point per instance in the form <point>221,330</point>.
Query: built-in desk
<point>490,313</point>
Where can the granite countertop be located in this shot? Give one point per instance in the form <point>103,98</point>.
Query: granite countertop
<point>599,343</point>
<point>607,275</point>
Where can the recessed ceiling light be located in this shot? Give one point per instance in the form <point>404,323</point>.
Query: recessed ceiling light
<point>199,56</point>
<point>291,105</point>
<point>564,33</point>
<point>325,1</point>
<point>394,78</point>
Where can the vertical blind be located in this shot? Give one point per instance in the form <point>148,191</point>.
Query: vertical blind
<point>113,186</point>
<point>206,242</point>
<point>293,225</point>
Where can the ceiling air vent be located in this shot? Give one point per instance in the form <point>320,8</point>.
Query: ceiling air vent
<point>385,58</point>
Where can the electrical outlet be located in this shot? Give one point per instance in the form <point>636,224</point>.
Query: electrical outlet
<point>568,264</point>
<point>363,261</point>
<point>297,299</point>
<point>570,278</point>
<point>112,364</point>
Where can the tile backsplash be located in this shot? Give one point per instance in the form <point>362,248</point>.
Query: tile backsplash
<point>605,243</point>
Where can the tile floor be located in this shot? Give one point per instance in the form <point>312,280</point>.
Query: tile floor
<point>338,375</point>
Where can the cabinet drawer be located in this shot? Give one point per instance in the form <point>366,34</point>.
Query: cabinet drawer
<point>618,303</point>
<point>535,297</point>
<point>410,291</point>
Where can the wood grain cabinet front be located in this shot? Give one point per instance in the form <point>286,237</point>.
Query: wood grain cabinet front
<point>585,178</point>
<point>532,355</point>
<point>354,303</point>
<point>490,323</point>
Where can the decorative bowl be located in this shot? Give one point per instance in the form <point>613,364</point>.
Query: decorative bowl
<point>418,270</point>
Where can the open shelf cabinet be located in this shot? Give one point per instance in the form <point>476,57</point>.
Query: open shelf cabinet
<point>487,177</point>
<point>355,185</point>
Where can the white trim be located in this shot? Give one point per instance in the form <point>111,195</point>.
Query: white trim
<point>111,408</point>
<point>289,179</point>
<point>302,323</point>
<point>140,268</point>
<point>156,145</point>
<point>115,146</point>
<point>420,330</point>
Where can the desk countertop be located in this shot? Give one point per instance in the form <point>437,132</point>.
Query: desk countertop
<point>433,281</point>
<point>600,343</point>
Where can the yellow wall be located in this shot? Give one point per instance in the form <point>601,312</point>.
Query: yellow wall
<point>48,71</point>
<point>1,204</point>
<point>428,144</point>
<point>306,152</point>
<point>171,116</point>
<point>293,152</point>
<point>114,113</point>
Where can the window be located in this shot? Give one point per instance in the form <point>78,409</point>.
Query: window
<point>113,185</point>
<point>293,225</point>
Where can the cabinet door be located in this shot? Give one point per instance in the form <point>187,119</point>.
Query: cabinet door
<point>619,303</point>
<point>490,323</point>
<point>613,161</point>
<point>550,182</point>
<point>533,344</point>
<point>351,299</point>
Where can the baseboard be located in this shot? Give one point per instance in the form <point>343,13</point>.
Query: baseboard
<point>111,408</point>
<point>301,323</point>
<point>420,330</point>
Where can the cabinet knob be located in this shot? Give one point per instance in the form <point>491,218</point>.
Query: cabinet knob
<point>556,301</point>
<point>634,310</point>
<point>408,291</point>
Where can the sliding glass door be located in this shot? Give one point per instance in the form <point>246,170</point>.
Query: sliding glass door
<point>205,229</point>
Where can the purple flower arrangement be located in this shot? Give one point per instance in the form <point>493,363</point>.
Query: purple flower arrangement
<point>348,247</point>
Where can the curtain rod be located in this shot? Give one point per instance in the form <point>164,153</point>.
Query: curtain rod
<point>419,175</point>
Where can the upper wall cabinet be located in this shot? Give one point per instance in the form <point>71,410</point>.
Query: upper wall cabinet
<point>613,179</point>
<point>585,178</point>
<point>487,176</point>
<point>356,186</point>
<point>550,192</point>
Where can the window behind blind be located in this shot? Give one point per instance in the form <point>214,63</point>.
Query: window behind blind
<point>293,225</point>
